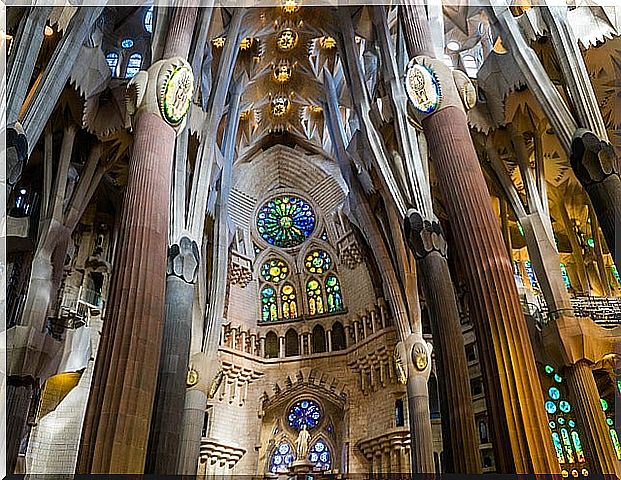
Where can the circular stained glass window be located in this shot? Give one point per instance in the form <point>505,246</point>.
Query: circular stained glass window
<point>560,420</point>
<point>549,369</point>
<point>304,412</point>
<point>571,423</point>
<point>558,378</point>
<point>274,271</point>
<point>286,221</point>
<point>604,404</point>
<point>318,261</point>
<point>554,393</point>
<point>564,406</point>
<point>550,407</point>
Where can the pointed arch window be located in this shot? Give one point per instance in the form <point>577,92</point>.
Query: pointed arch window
<point>282,457</point>
<point>333,294</point>
<point>148,20</point>
<point>269,309</point>
<point>320,456</point>
<point>271,345</point>
<point>112,58</point>
<point>314,292</point>
<point>319,339</point>
<point>292,343</point>
<point>133,65</point>
<point>289,302</point>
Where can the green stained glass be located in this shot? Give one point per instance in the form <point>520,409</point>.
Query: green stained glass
<point>286,221</point>
<point>565,276</point>
<point>274,271</point>
<point>591,242</point>
<point>269,310</point>
<point>558,378</point>
<point>558,447</point>
<point>333,294</point>
<point>615,273</point>
<point>578,446</point>
<point>610,422</point>
<point>568,447</point>
<point>615,442</point>
<point>318,261</point>
<point>315,297</point>
<point>549,369</point>
<point>604,404</point>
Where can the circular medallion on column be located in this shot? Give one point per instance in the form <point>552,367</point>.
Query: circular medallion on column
<point>423,88</point>
<point>420,357</point>
<point>192,378</point>
<point>177,90</point>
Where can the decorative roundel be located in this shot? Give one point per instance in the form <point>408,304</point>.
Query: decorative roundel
<point>419,356</point>
<point>285,221</point>
<point>554,393</point>
<point>560,420</point>
<point>423,88</point>
<point>550,407</point>
<point>304,412</point>
<point>177,95</point>
<point>287,40</point>
<point>604,404</point>
<point>280,106</point>
<point>274,271</point>
<point>318,261</point>
<point>564,406</point>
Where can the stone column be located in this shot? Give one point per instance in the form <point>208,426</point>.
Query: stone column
<point>459,438</point>
<point>195,401</point>
<point>521,435</point>
<point>281,347</point>
<point>119,411</point>
<point>591,419</point>
<point>117,420</point>
<point>356,333</point>
<point>262,346</point>
<point>165,437</point>
<point>329,335</point>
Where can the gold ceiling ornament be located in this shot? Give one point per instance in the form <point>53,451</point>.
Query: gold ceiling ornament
<point>280,106</point>
<point>290,7</point>
<point>218,42</point>
<point>246,43</point>
<point>287,40</point>
<point>245,115</point>
<point>327,43</point>
<point>315,108</point>
<point>191,378</point>
<point>282,72</point>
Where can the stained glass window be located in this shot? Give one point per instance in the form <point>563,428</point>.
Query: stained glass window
<point>269,310</point>
<point>320,455</point>
<point>304,412</point>
<point>318,261</point>
<point>315,297</point>
<point>127,43</point>
<point>610,421</point>
<point>282,457</point>
<point>274,271</point>
<point>286,221</point>
<point>565,436</point>
<point>615,273</point>
<point>113,61</point>
<point>531,274</point>
<point>565,276</point>
<point>333,294</point>
<point>133,65</point>
<point>148,20</point>
<point>288,302</point>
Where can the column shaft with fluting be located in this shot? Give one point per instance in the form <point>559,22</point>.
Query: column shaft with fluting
<point>522,442</point>
<point>591,420</point>
<point>116,427</point>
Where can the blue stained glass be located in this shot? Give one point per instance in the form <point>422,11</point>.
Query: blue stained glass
<point>531,274</point>
<point>127,43</point>
<point>558,447</point>
<point>320,455</point>
<point>564,406</point>
<point>558,378</point>
<point>554,393</point>
<point>148,20</point>
<point>133,65</point>
<point>285,221</point>
<point>571,423</point>
<point>560,420</point>
<point>304,412</point>
<point>113,61</point>
<point>281,458</point>
<point>550,407</point>
<point>565,276</point>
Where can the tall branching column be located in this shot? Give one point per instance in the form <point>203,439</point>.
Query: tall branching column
<point>116,427</point>
<point>521,434</point>
<point>459,438</point>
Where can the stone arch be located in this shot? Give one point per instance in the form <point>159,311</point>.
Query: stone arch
<point>292,343</point>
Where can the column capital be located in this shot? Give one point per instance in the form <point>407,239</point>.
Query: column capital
<point>424,236</point>
<point>183,260</point>
<point>165,89</point>
<point>592,159</point>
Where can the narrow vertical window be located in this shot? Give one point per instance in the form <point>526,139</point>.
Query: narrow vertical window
<point>133,65</point>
